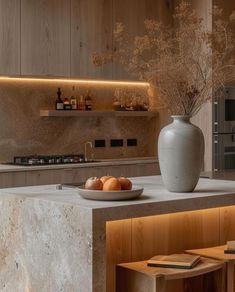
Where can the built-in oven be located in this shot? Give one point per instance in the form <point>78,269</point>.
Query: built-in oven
<point>224,151</point>
<point>224,130</point>
<point>224,111</point>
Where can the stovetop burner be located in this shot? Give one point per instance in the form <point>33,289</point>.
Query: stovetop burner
<point>48,159</point>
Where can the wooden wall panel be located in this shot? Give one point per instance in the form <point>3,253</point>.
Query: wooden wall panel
<point>174,233</point>
<point>45,37</point>
<point>227,224</point>
<point>91,31</point>
<point>9,37</point>
<point>132,14</point>
<point>118,248</point>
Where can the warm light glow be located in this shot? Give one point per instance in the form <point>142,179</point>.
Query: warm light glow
<point>79,81</point>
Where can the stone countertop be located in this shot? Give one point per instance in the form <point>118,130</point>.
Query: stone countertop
<point>99,163</point>
<point>155,199</point>
<point>53,240</point>
<point>220,174</point>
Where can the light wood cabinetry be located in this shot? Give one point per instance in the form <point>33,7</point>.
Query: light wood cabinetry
<point>74,175</point>
<point>42,177</point>
<point>9,37</point>
<point>45,37</point>
<point>91,31</point>
<point>12,179</point>
<point>58,37</point>
<point>132,14</point>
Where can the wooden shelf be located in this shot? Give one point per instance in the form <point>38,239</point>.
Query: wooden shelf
<point>75,113</point>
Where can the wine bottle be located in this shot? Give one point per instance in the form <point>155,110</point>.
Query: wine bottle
<point>73,100</point>
<point>88,102</point>
<point>59,105</point>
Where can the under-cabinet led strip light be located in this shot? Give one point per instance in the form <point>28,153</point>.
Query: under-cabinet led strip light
<point>79,81</point>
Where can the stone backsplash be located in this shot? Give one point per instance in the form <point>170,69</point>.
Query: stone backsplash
<point>24,132</point>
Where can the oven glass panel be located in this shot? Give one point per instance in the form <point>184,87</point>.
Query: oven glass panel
<point>230,110</point>
<point>229,157</point>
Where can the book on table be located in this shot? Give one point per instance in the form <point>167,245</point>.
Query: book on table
<point>230,247</point>
<point>177,261</point>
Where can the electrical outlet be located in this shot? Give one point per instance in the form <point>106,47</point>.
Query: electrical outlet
<point>116,142</point>
<point>100,143</point>
<point>131,142</point>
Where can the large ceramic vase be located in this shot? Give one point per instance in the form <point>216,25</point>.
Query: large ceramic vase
<point>180,153</point>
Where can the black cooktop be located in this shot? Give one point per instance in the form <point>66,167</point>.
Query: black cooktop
<point>48,159</point>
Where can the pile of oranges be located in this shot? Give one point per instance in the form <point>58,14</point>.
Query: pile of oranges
<point>108,183</point>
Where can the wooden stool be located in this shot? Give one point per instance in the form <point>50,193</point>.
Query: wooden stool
<point>138,277</point>
<point>217,253</point>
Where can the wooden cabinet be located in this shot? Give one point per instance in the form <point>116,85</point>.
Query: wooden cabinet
<point>12,179</point>
<point>9,37</point>
<point>74,175</point>
<point>91,31</point>
<point>42,177</point>
<point>132,14</point>
<point>58,37</point>
<point>45,37</point>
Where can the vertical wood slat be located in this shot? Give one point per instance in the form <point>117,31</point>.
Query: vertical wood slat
<point>9,37</point>
<point>227,226</point>
<point>118,248</point>
<point>45,37</point>
<point>132,14</point>
<point>91,32</point>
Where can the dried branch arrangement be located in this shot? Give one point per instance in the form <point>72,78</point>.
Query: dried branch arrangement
<point>183,63</point>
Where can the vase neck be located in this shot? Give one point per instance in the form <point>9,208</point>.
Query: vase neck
<point>185,119</point>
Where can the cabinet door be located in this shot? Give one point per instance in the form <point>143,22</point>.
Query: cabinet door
<point>132,14</point>
<point>115,170</point>
<point>45,177</point>
<point>143,169</point>
<point>12,179</point>
<point>45,37</point>
<point>9,37</point>
<point>91,31</point>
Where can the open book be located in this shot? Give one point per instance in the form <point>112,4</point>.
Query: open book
<point>178,261</point>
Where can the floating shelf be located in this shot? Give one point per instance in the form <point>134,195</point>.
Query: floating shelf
<point>75,113</point>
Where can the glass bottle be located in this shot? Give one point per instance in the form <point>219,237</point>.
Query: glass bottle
<point>59,105</point>
<point>88,101</point>
<point>81,103</point>
<point>73,101</point>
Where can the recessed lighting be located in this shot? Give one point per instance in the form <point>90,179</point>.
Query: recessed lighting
<point>79,81</point>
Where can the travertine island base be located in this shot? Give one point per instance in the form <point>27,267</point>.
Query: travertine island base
<point>53,240</point>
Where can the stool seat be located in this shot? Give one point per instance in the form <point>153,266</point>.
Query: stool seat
<point>217,252</point>
<point>205,266</point>
<point>139,277</point>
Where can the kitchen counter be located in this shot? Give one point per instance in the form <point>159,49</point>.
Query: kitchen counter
<point>221,174</point>
<point>53,240</point>
<point>100,162</point>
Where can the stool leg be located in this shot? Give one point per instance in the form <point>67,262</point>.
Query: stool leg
<point>193,284</point>
<point>159,285</point>
<point>219,280</point>
<point>230,277</point>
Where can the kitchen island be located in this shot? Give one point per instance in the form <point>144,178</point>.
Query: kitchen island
<point>53,240</point>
